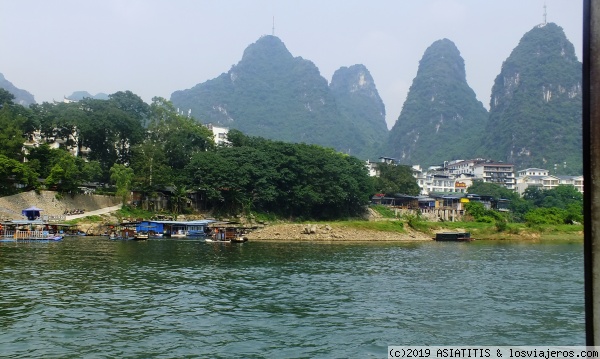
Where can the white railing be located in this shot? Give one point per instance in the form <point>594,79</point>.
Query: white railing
<point>26,234</point>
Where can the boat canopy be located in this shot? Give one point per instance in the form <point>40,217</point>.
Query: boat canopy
<point>32,212</point>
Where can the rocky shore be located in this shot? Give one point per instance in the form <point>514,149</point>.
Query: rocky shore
<point>326,232</point>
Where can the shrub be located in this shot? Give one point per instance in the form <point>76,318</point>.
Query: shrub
<point>416,222</point>
<point>384,211</point>
<point>551,215</point>
<point>501,225</point>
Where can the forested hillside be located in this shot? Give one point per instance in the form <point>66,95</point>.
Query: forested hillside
<point>359,103</point>
<point>272,94</point>
<point>535,107</point>
<point>441,118</point>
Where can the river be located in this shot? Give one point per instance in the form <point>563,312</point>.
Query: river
<point>96,298</point>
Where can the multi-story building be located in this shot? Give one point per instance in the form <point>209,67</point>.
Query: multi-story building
<point>493,172</point>
<point>496,172</point>
<point>542,179</point>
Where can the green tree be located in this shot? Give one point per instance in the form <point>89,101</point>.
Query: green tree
<point>13,173</point>
<point>518,206</point>
<point>292,180</point>
<point>59,121</point>
<point>43,158</point>
<point>181,137</point>
<point>122,177</point>
<point>65,174</point>
<point>109,131</point>
<point>11,132</point>
<point>131,104</point>
<point>481,214</point>
<point>91,171</point>
<point>6,98</point>
<point>150,166</point>
<point>396,179</point>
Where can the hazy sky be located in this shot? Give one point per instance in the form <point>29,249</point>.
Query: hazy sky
<point>52,48</point>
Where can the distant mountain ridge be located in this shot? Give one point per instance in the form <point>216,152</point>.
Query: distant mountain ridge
<point>80,95</point>
<point>22,97</point>
<point>534,118</point>
<point>272,94</point>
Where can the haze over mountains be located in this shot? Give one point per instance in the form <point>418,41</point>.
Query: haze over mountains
<point>22,97</point>
<point>534,118</point>
<point>272,94</point>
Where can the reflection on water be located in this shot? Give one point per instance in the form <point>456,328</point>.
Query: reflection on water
<point>165,298</point>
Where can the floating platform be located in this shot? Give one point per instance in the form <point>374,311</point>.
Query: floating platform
<point>453,237</point>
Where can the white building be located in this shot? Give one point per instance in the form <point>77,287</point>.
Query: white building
<point>542,179</point>
<point>220,134</point>
<point>372,165</point>
<point>496,172</point>
<point>492,172</point>
<point>576,181</point>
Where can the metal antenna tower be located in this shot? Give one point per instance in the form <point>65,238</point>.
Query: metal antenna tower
<point>273,26</point>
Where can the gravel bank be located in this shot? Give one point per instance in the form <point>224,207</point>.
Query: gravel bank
<point>325,232</point>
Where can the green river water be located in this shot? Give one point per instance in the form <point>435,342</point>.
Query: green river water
<point>91,297</point>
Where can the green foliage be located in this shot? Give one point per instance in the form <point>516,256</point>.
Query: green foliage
<point>535,115</point>
<point>441,115</point>
<point>290,180</point>
<point>560,197</point>
<point>395,179</point>
<point>13,172</point>
<point>384,211</point>
<point>492,189</point>
<point>540,216</point>
<point>481,214</point>
<point>384,226</point>
<point>416,221</point>
<point>11,133</point>
<point>131,212</point>
<point>564,201</point>
<point>179,137</point>
<point>501,225</point>
<point>122,176</point>
<point>476,210</point>
<point>86,219</point>
<point>65,173</point>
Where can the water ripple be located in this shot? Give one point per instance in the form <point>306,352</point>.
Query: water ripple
<point>91,297</point>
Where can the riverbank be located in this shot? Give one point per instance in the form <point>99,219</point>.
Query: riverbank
<point>347,231</point>
<point>331,232</point>
<point>102,210</point>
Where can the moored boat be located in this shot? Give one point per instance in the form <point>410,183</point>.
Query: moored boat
<point>224,233</point>
<point>141,236</point>
<point>453,237</point>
